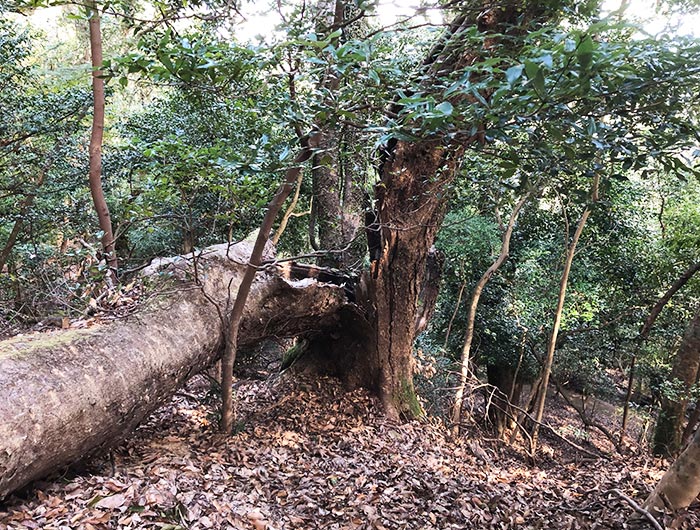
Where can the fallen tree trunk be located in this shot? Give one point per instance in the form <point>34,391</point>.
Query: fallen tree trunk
<point>66,394</point>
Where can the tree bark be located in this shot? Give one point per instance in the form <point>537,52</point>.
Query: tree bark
<point>551,345</point>
<point>669,425</point>
<point>98,124</point>
<point>680,485</point>
<point>693,420</point>
<point>430,289</point>
<point>393,281</point>
<point>67,394</point>
<point>644,334</point>
<point>233,320</point>
<point>410,202</point>
<point>471,312</point>
<point>338,170</point>
<point>411,199</point>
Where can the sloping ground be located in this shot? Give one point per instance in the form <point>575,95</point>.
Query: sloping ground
<point>310,455</point>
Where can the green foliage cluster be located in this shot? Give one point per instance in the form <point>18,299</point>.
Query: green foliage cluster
<point>201,128</point>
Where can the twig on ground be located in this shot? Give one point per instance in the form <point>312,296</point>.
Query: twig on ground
<point>527,415</point>
<point>637,508</point>
<point>187,395</point>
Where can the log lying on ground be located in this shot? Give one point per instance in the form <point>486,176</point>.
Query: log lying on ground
<point>66,394</point>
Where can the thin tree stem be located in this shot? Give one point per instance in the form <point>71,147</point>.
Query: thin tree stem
<point>234,320</point>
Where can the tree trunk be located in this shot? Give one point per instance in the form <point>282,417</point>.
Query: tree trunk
<point>392,285</point>
<point>338,205</point>
<point>669,426</point>
<point>66,394</point>
<point>430,289</point>
<point>471,314</point>
<point>503,378</point>
<point>551,345</point>
<point>233,320</point>
<point>644,334</point>
<point>680,485</point>
<point>98,123</point>
<point>410,202</point>
<point>338,173</point>
<point>693,420</point>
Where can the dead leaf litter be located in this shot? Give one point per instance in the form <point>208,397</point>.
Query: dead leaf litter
<point>308,455</point>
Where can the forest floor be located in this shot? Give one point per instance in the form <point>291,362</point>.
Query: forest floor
<point>309,455</point>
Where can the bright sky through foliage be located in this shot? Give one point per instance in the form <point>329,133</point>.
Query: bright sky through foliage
<point>261,20</point>
<point>645,14</point>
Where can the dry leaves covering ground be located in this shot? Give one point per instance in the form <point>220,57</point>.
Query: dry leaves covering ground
<point>310,455</point>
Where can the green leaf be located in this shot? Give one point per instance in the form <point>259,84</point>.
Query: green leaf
<point>538,83</point>
<point>531,69</point>
<point>445,107</point>
<point>584,52</point>
<point>513,73</point>
<point>337,33</point>
<point>164,58</point>
<point>591,127</point>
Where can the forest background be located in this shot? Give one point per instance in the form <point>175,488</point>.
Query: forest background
<point>570,239</point>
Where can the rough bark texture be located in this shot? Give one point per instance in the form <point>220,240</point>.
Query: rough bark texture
<point>669,427</point>
<point>98,125</point>
<point>430,289</point>
<point>338,170</point>
<point>410,201</point>
<point>410,209</point>
<point>66,394</point>
<point>680,485</point>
